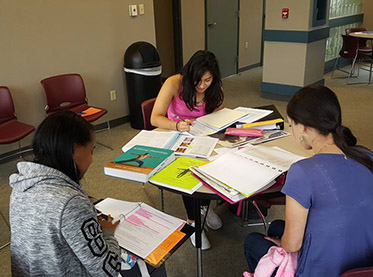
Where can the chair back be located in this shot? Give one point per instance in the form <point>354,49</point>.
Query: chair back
<point>146,109</point>
<point>64,92</point>
<point>349,47</point>
<point>7,111</point>
<point>359,272</point>
<point>362,41</point>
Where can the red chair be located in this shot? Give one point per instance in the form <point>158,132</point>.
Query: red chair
<point>146,109</point>
<point>11,130</point>
<point>359,272</point>
<point>67,92</point>
<point>362,42</point>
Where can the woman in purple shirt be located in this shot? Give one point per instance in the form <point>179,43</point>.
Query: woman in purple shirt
<point>329,197</point>
<point>184,97</point>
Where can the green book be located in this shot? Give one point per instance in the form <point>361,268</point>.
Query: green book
<point>139,163</point>
<point>177,175</point>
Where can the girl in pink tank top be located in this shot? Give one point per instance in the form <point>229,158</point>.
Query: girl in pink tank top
<point>193,93</point>
<point>184,97</point>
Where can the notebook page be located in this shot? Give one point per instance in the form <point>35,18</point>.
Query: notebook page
<point>275,157</point>
<point>152,139</point>
<point>115,207</point>
<point>221,118</point>
<point>240,173</point>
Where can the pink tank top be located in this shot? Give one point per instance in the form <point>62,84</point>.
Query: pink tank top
<point>179,108</point>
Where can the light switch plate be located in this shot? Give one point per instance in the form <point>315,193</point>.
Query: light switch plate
<point>141,9</point>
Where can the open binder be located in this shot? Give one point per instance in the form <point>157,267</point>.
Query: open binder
<point>144,231</point>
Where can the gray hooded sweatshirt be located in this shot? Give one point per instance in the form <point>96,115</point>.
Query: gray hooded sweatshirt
<point>54,227</point>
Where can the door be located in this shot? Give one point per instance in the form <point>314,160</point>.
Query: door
<point>222,33</point>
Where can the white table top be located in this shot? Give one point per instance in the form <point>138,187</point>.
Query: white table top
<point>367,34</point>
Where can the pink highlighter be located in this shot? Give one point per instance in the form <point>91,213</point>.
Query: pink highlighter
<point>244,132</point>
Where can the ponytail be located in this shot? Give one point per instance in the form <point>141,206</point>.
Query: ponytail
<point>346,141</point>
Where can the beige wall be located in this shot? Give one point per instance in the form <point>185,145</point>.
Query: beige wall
<point>284,63</point>
<point>250,35</point>
<point>368,14</point>
<point>164,35</point>
<point>193,27</point>
<point>299,15</point>
<point>43,38</point>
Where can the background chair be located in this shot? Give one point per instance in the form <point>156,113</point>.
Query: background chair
<point>363,46</point>
<point>349,50</point>
<point>67,92</point>
<point>359,272</point>
<point>146,109</point>
<point>11,130</point>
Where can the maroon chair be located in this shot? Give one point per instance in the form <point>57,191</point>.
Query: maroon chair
<point>11,130</point>
<point>67,92</point>
<point>359,272</point>
<point>146,109</point>
<point>350,50</point>
<point>362,42</point>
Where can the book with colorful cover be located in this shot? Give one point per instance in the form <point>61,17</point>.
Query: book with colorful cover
<point>177,176</point>
<point>139,163</point>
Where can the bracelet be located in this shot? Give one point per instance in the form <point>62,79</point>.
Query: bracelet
<point>177,122</point>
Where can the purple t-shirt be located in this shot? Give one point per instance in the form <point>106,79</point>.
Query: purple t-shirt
<point>339,195</point>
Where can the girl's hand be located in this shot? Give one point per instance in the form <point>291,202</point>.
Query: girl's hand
<point>274,240</point>
<point>108,223</point>
<point>184,126</point>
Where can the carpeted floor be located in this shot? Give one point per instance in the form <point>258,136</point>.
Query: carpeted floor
<point>226,257</point>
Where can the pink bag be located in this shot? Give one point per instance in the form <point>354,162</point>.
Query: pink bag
<point>244,132</point>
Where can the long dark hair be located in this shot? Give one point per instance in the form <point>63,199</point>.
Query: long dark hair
<point>54,140</point>
<point>201,62</point>
<point>318,107</point>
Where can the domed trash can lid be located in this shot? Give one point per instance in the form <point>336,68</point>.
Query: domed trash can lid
<point>140,55</point>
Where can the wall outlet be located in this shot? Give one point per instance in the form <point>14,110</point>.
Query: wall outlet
<point>132,10</point>
<point>113,95</point>
<point>141,9</point>
<point>246,44</point>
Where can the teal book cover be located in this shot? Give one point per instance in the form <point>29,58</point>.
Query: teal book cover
<point>141,159</point>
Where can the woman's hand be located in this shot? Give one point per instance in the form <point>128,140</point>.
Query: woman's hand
<point>108,223</point>
<point>274,240</point>
<point>184,126</point>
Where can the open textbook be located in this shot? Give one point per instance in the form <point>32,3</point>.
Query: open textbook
<point>142,229</point>
<point>182,144</point>
<point>215,122</point>
<point>248,170</point>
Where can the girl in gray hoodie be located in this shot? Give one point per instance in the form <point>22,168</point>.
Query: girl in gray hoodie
<point>54,227</point>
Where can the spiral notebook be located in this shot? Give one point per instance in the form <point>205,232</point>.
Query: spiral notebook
<point>251,168</point>
<point>145,231</point>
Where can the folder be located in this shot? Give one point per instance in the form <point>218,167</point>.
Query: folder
<point>274,118</point>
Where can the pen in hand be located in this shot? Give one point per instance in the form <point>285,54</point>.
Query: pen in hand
<point>183,127</point>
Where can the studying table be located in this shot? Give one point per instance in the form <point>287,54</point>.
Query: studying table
<point>287,143</point>
<point>369,36</point>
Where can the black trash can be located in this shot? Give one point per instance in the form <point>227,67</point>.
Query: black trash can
<point>142,68</point>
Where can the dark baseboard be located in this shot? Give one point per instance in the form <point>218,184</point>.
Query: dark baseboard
<point>248,67</point>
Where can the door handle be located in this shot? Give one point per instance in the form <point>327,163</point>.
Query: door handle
<point>211,24</point>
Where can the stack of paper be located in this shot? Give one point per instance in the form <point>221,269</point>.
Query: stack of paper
<point>182,144</point>
<point>246,171</point>
<point>215,122</point>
